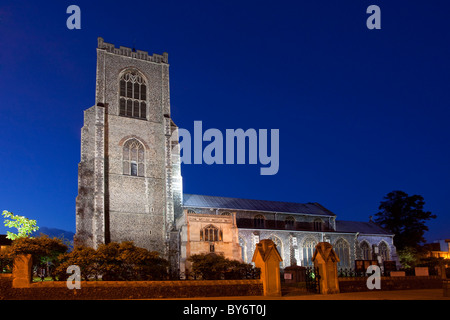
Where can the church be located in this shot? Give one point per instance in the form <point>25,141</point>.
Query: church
<point>130,184</point>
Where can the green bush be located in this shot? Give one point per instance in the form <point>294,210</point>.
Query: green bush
<point>216,267</point>
<point>83,257</point>
<point>44,251</point>
<point>115,262</point>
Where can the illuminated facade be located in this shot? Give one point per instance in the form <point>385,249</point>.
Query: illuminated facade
<point>207,233</point>
<point>296,228</point>
<point>130,184</point>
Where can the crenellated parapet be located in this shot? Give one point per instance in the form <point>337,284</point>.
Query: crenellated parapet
<point>132,53</point>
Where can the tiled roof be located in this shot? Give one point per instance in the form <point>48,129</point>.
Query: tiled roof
<point>359,226</point>
<point>201,201</point>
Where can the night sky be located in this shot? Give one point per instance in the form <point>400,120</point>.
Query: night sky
<point>360,112</point>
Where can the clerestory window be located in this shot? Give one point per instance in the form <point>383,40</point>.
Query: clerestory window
<point>290,223</point>
<point>318,225</point>
<point>258,221</point>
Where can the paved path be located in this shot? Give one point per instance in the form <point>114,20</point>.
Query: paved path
<point>424,294</point>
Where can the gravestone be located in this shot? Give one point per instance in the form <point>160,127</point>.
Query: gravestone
<point>22,271</point>
<point>267,258</point>
<point>326,259</point>
<point>421,271</point>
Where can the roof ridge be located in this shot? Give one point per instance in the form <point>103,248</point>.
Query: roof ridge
<point>369,224</point>
<point>207,201</point>
<point>279,201</point>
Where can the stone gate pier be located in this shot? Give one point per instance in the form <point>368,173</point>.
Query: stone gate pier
<point>267,258</point>
<point>326,259</point>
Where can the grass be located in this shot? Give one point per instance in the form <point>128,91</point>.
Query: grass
<point>38,279</point>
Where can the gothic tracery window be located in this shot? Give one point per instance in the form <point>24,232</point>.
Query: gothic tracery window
<point>133,158</point>
<point>384,251</point>
<point>365,251</point>
<point>308,250</point>
<point>342,250</point>
<point>210,233</point>
<point>279,245</point>
<point>133,95</point>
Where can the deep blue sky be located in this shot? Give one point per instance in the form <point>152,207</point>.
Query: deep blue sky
<point>360,112</point>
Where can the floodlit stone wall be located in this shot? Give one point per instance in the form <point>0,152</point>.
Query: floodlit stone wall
<point>111,204</point>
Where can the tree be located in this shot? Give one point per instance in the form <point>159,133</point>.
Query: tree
<point>44,250</point>
<point>403,215</point>
<point>213,266</point>
<point>125,261</point>
<point>141,264</point>
<point>208,266</point>
<point>24,225</point>
<point>408,257</point>
<point>114,262</point>
<point>81,256</point>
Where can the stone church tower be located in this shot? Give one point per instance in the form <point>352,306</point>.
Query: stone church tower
<point>129,178</point>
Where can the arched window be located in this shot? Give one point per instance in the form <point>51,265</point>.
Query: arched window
<point>384,251</point>
<point>342,249</point>
<point>210,233</point>
<point>318,225</point>
<point>133,95</point>
<point>226,213</point>
<point>278,242</point>
<point>133,158</point>
<point>258,221</point>
<point>279,245</point>
<point>290,223</point>
<point>365,251</point>
<point>308,250</point>
<point>190,211</point>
